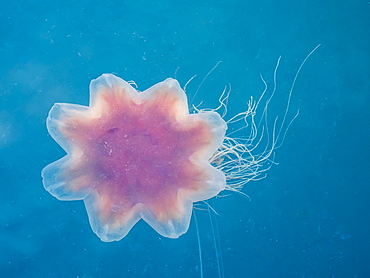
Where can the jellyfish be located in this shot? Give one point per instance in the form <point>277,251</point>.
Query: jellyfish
<point>142,155</point>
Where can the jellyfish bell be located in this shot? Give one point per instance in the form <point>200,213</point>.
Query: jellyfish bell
<point>135,155</point>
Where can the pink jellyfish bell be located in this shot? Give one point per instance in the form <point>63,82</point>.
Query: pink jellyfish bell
<point>135,155</point>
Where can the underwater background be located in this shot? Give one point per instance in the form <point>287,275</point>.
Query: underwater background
<point>310,217</point>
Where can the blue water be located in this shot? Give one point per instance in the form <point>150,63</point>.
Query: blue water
<point>308,218</point>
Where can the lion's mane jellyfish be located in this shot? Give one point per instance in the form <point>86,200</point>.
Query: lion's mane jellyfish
<point>141,155</point>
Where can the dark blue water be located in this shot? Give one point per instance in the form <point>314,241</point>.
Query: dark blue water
<point>308,218</point>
